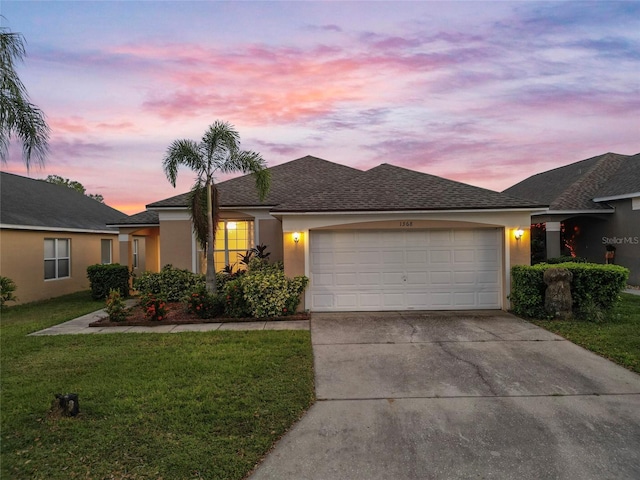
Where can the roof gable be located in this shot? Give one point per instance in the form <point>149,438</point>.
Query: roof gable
<point>26,202</point>
<point>391,188</point>
<point>574,186</point>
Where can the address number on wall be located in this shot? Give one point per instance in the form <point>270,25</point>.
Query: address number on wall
<point>406,224</point>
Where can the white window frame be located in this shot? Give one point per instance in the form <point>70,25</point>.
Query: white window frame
<point>56,259</point>
<point>110,261</point>
<point>136,253</point>
<point>250,241</point>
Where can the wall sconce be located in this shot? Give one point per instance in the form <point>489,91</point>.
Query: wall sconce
<point>518,233</point>
<point>296,237</point>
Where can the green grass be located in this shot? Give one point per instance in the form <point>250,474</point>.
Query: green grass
<point>617,339</point>
<point>173,406</point>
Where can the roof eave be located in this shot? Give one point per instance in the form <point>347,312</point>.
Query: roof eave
<point>569,212</point>
<point>222,207</point>
<point>42,228</point>
<point>617,197</point>
<point>125,225</point>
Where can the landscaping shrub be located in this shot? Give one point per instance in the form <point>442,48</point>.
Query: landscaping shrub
<point>104,278</point>
<point>174,284</point>
<point>595,288</point>
<point>154,306</point>
<point>565,259</point>
<point>226,276</point>
<point>116,308</point>
<point>269,293</point>
<point>263,291</point>
<point>235,304</point>
<point>7,287</point>
<point>205,305</point>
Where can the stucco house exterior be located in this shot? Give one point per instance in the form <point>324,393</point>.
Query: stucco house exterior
<point>383,239</point>
<point>49,235</point>
<point>593,203</point>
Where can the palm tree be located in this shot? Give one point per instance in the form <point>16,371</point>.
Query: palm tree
<point>218,152</point>
<point>17,115</point>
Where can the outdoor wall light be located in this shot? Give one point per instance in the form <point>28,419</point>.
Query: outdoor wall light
<point>518,233</point>
<point>296,237</point>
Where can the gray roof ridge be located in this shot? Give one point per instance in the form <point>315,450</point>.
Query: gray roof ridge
<point>444,179</point>
<point>593,179</point>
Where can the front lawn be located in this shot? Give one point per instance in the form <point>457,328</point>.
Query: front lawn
<point>173,406</point>
<point>617,339</point>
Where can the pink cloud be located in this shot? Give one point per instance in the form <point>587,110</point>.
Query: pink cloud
<point>74,124</point>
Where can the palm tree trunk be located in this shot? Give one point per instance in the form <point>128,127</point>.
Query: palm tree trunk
<point>211,269</point>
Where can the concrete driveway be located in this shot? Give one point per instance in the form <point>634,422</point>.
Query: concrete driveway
<point>458,395</point>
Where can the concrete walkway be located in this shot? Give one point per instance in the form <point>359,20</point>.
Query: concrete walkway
<point>81,326</point>
<point>458,395</point>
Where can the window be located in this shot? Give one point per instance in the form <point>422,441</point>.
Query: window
<point>105,251</point>
<point>57,258</point>
<point>232,237</point>
<point>136,246</point>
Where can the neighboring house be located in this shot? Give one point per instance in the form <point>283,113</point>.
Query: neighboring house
<point>49,235</point>
<point>384,239</point>
<point>592,203</point>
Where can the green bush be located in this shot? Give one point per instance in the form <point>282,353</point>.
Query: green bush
<point>172,283</point>
<point>224,277</point>
<point>263,291</point>
<point>269,293</point>
<point>104,278</point>
<point>205,305</point>
<point>116,308</point>
<point>7,287</point>
<point>235,303</point>
<point>594,288</point>
<point>565,259</point>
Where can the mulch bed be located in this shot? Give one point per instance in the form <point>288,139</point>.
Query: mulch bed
<point>177,314</point>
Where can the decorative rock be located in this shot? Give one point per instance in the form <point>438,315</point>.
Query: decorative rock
<point>557,298</point>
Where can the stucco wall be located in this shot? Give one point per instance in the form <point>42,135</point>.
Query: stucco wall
<point>270,234</point>
<point>176,243</point>
<point>22,260</point>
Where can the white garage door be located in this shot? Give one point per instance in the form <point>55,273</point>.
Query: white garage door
<point>361,270</point>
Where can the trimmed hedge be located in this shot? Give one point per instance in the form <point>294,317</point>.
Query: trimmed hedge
<point>104,278</point>
<point>593,285</point>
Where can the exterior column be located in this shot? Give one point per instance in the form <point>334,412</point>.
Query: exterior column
<point>553,239</point>
<point>124,241</point>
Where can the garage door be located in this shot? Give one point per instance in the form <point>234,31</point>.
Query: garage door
<point>361,270</point>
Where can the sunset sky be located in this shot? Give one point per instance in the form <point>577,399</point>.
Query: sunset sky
<point>485,93</point>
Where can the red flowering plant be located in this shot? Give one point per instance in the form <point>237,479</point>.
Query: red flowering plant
<point>235,304</point>
<point>203,304</point>
<point>154,306</point>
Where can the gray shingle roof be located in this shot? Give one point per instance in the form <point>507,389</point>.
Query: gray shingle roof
<point>574,186</point>
<point>624,181</point>
<point>290,180</point>
<point>391,188</point>
<point>148,217</point>
<point>35,203</point>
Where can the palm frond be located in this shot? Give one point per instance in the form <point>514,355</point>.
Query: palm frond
<point>247,161</point>
<point>17,115</point>
<point>221,141</point>
<point>182,152</point>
